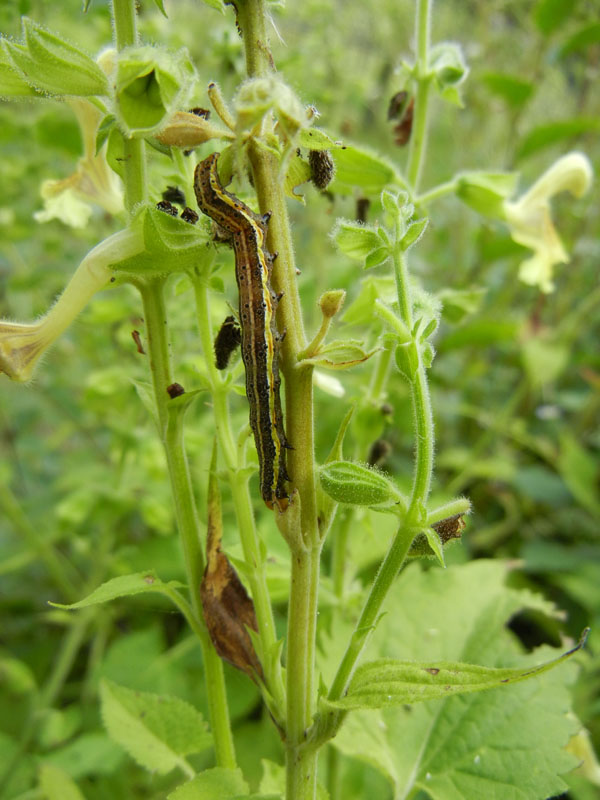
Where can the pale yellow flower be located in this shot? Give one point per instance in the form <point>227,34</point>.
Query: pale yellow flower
<point>531,224</point>
<point>22,344</point>
<point>93,182</point>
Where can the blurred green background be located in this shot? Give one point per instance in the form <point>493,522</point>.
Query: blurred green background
<point>515,384</point>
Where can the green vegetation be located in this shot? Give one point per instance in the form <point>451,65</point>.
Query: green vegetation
<point>410,624</point>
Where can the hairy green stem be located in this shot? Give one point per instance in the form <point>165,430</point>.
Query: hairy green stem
<point>301,763</point>
<point>170,427</point>
<point>134,157</point>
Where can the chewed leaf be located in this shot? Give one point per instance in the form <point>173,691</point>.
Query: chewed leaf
<point>123,586</point>
<point>388,682</point>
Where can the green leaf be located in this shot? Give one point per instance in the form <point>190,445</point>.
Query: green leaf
<point>316,139</point>
<point>362,309</point>
<point>161,7</point>
<point>457,304</point>
<point>514,90</point>
<point>377,257</point>
<point>15,676</point>
<point>12,82</point>
<point>585,37</point>
<point>358,167</point>
<point>481,744</point>
<point>213,784</point>
<point>56,784</point>
<point>544,360</point>
<point>550,15</point>
<point>354,239</point>
<point>90,753</point>
<point>156,730</point>
<point>339,354</point>
<point>386,682</point>
<point>447,62</point>
<point>547,135</point>
<point>579,470</point>
<point>124,586</point>
<point>413,233</point>
<point>347,482</point>
<point>486,191</point>
<point>52,65</point>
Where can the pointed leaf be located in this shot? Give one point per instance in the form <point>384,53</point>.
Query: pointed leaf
<point>124,586</point>
<point>213,784</point>
<point>156,730</point>
<point>56,784</point>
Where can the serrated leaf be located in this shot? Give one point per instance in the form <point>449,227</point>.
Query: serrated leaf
<point>386,682</point>
<point>340,354</point>
<point>124,586</point>
<point>213,784</point>
<point>56,784</point>
<point>483,744</point>
<point>157,731</point>
<point>357,167</point>
<point>547,135</point>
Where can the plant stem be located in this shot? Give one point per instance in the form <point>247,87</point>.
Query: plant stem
<point>243,505</point>
<point>301,762</point>
<point>170,427</point>
<point>418,139</point>
<point>134,153</point>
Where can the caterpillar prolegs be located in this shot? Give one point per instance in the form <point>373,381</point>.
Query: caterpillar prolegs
<point>260,337</point>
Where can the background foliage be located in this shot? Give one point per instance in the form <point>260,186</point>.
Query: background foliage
<point>515,383</point>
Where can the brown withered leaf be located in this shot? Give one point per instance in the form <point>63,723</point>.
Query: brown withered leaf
<point>227,609</point>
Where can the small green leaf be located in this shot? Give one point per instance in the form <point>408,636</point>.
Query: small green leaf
<point>514,90</point>
<point>316,139</point>
<point>213,784</point>
<point>413,233</point>
<point>586,36</point>
<point>52,65</point>
<point>387,682</point>
<point>457,304</point>
<point>448,64</point>
<point>56,784</point>
<point>12,81</point>
<point>434,542</point>
<point>547,135</point>
<point>361,168</point>
<point>156,730</point>
<point>550,15</point>
<point>579,469</point>
<point>355,484</point>
<point>15,676</point>
<point>161,7</point>
<point>340,354</point>
<point>355,240</point>
<point>486,191</point>
<point>124,586</point>
<point>377,257</point>
<point>407,359</point>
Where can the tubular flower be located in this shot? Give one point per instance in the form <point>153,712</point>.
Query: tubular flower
<point>22,344</point>
<point>93,182</point>
<point>531,224</point>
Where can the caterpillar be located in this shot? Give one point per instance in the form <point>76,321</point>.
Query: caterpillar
<point>261,340</point>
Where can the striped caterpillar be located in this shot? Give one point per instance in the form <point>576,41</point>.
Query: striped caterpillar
<point>260,337</point>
